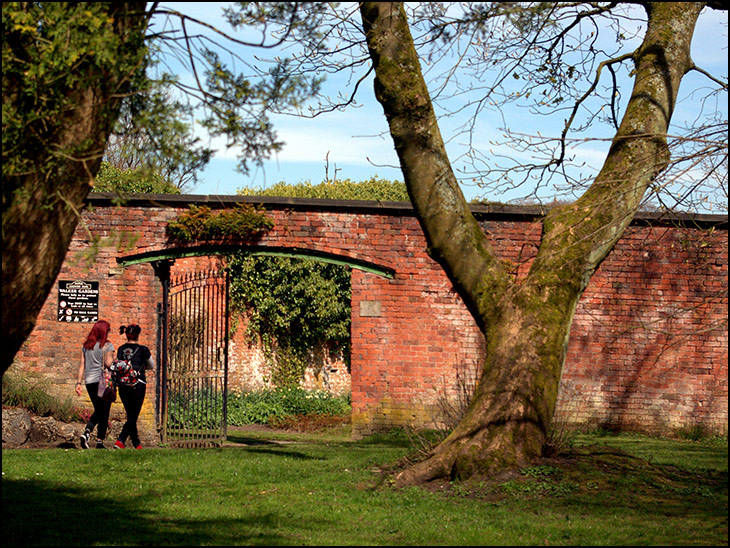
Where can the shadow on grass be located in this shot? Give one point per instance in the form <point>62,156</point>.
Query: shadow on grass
<point>38,513</point>
<point>269,447</point>
<point>245,440</point>
<point>283,452</point>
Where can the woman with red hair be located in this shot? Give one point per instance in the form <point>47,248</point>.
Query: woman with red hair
<point>96,354</point>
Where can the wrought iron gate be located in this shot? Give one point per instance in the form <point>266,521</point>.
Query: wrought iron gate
<point>194,373</point>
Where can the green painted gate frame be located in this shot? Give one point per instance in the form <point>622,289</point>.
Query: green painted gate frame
<point>288,252</point>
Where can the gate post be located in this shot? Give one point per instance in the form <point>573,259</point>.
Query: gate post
<point>225,350</point>
<point>162,271</point>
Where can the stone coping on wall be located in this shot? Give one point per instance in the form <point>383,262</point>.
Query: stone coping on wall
<point>490,211</point>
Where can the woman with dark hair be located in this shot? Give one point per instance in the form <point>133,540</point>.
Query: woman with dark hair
<point>96,354</point>
<point>132,396</point>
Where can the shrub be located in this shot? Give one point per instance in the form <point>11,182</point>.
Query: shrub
<point>114,179</point>
<point>32,392</point>
<point>201,223</point>
<point>200,409</point>
<point>254,408</point>
<point>341,189</point>
<point>268,406</point>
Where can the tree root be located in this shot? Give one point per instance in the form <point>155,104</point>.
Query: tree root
<point>477,455</point>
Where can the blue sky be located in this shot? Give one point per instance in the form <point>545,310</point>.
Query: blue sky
<point>351,142</point>
<point>355,144</point>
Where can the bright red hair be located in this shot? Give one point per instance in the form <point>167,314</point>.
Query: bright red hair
<point>98,334</point>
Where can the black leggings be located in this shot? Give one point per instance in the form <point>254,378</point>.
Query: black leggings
<point>100,416</point>
<point>132,398</point>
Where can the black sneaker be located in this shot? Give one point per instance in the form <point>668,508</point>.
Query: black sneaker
<point>100,445</point>
<point>84,440</point>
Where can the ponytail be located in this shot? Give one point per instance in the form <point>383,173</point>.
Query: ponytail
<point>132,331</point>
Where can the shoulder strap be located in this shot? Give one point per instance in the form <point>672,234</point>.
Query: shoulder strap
<point>132,356</point>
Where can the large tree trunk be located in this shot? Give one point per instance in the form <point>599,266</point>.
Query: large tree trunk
<point>526,325</point>
<point>61,155</point>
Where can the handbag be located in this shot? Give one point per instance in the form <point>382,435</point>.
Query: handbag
<point>110,394</point>
<point>106,391</point>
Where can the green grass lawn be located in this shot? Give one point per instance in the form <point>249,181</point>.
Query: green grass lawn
<point>308,489</point>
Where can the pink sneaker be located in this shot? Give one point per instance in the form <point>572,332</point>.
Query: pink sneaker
<point>118,445</point>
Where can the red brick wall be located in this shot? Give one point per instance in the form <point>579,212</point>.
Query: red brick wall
<point>126,295</point>
<point>648,348</point>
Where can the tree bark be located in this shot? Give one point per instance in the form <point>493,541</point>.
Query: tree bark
<point>42,205</point>
<point>526,325</point>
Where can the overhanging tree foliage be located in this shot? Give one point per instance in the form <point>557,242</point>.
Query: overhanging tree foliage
<point>65,70</point>
<point>154,139</point>
<point>298,310</point>
<point>68,69</point>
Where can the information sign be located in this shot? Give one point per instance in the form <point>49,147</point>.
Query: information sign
<point>78,301</point>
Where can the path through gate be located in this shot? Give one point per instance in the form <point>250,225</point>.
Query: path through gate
<point>194,380</point>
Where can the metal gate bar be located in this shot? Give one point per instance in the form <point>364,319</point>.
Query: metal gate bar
<point>195,374</point>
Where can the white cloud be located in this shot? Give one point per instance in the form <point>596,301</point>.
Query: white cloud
<point>352,137</point>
